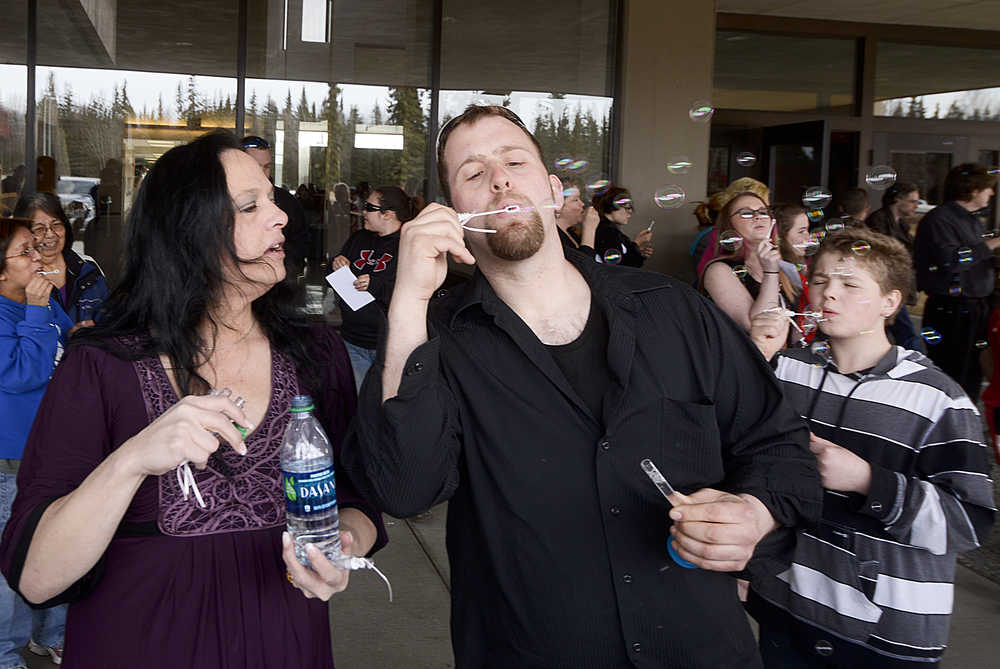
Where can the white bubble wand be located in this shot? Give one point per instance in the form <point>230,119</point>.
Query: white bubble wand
<point>464,217</point>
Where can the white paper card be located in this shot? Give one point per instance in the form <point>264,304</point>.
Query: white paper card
<point>342,282</point>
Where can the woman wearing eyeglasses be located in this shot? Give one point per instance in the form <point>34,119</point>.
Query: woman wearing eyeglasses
<point>33,330</point>
<point>81,287</point>
<point>611,245</point>
<point>371,253</point>
<point>745,278</point>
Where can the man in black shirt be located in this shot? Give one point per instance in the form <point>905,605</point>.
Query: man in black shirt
<point>529,400</point>
<point>955,268</point>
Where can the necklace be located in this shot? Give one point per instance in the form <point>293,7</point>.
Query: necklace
<point>230,345</point>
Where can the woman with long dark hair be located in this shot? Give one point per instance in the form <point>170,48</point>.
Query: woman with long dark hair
<point>372,255</point>
<point>103,520</point>
<point>79,281</point>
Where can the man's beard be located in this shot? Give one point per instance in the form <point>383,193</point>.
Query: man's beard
<point>519,239</point>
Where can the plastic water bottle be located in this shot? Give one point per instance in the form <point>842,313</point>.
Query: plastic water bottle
<point>310,489</point>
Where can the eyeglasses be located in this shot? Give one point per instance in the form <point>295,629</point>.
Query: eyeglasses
<point>624,204</point>
<point>368,206</point>
<point>254,142</point>
<point>54,225</point>
<point>750,214</point>
<point>26,253</point>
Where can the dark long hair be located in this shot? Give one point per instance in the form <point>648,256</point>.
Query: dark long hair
<point>178,233</point>
<point>396,199</point>
<point>50,204</point>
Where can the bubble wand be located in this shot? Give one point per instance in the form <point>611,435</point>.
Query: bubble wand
<point>465,217</point>
<point>671,496</point>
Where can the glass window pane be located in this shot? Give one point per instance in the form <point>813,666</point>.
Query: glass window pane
<point>781,73</point>
<point>339,114</point>
<point>13,87</point>
<point>134,81</point>
<point>918,81</point>
<point>560,87</point>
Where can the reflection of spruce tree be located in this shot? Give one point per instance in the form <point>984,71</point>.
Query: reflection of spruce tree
<point>159,107</point>
<point>290,167</point>
<point>405,110</point>
<point>356,161</point>
<point>250,123</point>
<point>955,111</point>
<point>334,140</point>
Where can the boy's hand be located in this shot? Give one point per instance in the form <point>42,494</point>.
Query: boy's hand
<point>839,468</point>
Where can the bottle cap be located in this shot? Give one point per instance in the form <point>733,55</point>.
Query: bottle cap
<point>302,403</point>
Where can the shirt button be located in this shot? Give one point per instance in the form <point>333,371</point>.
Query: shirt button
<point>442,292</point>
<point>615,510</point>
<point>627,578</point>
<point>876,506</point>
<point>605,444</point>
<point>824,648</point>
<point>637,647</point>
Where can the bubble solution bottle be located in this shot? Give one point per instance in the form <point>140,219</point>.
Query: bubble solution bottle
<point>309,486</point>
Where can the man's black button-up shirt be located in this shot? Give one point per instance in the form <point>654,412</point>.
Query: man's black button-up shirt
<point>557,540</point>
<point>950,255</point>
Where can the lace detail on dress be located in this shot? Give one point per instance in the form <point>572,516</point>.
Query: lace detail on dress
<point>240,492</point>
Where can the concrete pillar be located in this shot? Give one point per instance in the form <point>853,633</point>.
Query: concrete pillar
<point>669,52</point>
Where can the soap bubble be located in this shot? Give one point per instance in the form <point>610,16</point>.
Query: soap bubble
<point>612,256</point>
<point>834,224</point>
<point>965,256</point>
<point>701,111</point>
<point>678,165</point>
<point>881,177</point>
<point>808,327</point>
<point>739,271</point>
<point>981,344</point>
<point>669,197</point>
<point>990,234</point>
<point>811,246</point>
<point>820,348</point>
<point>861,247</point>
<point>814,215</point>
<point>570,191</point>
<point>746,159</point>
<point>730,241</point>
<point>955,290</point>
<point>931,336</point>
<point>623,201</point>
<point>578,165</point>
<point>932,268</point>
<point>817,197</point>
<point>563,162</point>
<point>597,185</point>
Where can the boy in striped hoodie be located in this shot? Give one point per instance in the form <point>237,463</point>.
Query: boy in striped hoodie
<point>902,460</point>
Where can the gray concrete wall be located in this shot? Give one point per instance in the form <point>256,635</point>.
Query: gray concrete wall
<point>669,52</point>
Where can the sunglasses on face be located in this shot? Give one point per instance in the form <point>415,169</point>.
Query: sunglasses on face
<point>368,206</point>
<point>750,214</point>
<point>255,143</point>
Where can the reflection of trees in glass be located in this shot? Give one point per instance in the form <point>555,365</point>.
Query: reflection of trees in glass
<point>576,135</point>
<point>405,110</point>
<point>978,105</point>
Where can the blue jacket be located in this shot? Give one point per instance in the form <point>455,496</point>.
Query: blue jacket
<point>31,343</point>
<point>86,288</point>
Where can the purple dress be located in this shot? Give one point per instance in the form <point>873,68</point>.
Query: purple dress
<point>180,586</point>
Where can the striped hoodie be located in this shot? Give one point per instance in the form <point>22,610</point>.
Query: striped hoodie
<point>876,575</point>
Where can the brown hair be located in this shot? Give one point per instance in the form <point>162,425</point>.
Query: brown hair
<point>8,226</point>
<point>472,114</point>
<point>724,223</point>
<point>785,215</point>
<point>886,258</point>
<point>606,202</point>
<point>853,202</point>
<point>964,180</point>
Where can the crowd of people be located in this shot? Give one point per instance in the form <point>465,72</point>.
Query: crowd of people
<point>825,473</point>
